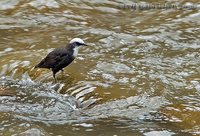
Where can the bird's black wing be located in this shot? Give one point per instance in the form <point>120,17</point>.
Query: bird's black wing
<point>64,61</point>
<point>58,57</point>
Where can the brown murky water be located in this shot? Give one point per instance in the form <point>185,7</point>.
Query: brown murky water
<point>139,76</point>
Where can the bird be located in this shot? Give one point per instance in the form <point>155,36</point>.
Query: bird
<point>61,57</point>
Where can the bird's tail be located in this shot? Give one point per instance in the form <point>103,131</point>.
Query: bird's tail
<point>38,66</point>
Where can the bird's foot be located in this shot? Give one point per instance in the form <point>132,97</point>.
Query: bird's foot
<point>55,80</point>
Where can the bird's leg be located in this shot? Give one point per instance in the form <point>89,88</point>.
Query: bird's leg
<point>54,76</point>
<point>62,71</point>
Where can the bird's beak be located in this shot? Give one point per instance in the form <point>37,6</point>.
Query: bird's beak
<point>85,45</point>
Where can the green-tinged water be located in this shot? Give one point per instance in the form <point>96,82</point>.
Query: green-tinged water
<point>140,74</point>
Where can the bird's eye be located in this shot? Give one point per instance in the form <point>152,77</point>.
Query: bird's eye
<point>78,43</point>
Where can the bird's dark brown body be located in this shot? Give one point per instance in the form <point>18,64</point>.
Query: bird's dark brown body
<point>59,58</point>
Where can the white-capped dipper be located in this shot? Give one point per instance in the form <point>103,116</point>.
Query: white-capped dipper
<point>61,57</point>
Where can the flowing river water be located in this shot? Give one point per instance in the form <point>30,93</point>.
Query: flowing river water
<point>140,74</point>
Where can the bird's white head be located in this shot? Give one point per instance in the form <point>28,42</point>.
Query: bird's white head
<point>78,41</point>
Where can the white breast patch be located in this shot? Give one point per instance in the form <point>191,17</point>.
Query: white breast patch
<point>75,53</point>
